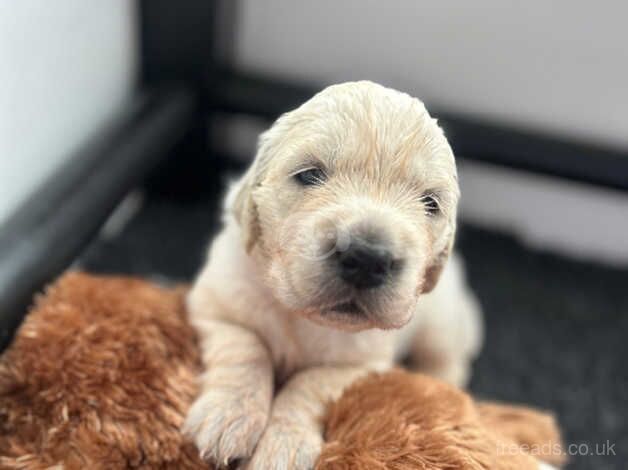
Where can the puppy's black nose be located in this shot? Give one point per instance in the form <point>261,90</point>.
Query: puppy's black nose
<point>364,264</point>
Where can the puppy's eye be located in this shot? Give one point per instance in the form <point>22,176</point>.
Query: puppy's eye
<point>430,204</point>
<point>310,177</point>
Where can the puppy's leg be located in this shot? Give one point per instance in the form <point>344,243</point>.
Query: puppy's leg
<point>545,466</point>
<point>450,331</point>
<point>231,412</point>
<point>294,436</point>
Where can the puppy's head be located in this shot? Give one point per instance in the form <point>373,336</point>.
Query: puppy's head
<point>350,205</point>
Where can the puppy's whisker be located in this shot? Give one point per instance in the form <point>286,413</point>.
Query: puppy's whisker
<point>325,289</point>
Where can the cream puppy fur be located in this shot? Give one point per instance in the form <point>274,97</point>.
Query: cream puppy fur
<point>332,241</point>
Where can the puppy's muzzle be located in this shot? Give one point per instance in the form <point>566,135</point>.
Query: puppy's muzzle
<point>365,264</point>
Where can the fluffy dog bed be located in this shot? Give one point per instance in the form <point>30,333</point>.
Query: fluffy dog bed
<point>102,371</point>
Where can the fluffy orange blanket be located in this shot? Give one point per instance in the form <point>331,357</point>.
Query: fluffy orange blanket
<point>102,371</point>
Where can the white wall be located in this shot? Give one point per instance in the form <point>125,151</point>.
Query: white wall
<point>66,68</point>
<point>561,216</point>
<point>559,66</point>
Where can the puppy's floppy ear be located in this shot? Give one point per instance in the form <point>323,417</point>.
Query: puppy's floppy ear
<point>436,266</point>
<point>242,201</point>
<point>244,208</point>
<point>441,252</point>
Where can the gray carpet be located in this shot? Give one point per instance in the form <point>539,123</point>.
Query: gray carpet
<point>555,329</point>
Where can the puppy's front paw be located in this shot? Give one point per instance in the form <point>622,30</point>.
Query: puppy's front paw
<point>284,447</point>
<point>225,426</point>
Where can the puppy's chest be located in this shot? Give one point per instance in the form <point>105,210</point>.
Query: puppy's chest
<point>304,344</point>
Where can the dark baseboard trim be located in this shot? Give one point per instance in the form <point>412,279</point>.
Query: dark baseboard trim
<point>471,138</point>
<point>44,236</point>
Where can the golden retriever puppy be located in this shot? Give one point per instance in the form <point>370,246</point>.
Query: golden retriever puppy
<point>332,241</point>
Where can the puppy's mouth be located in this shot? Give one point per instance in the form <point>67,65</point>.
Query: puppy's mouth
<point>348,308</point>
<point>349,315</point>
